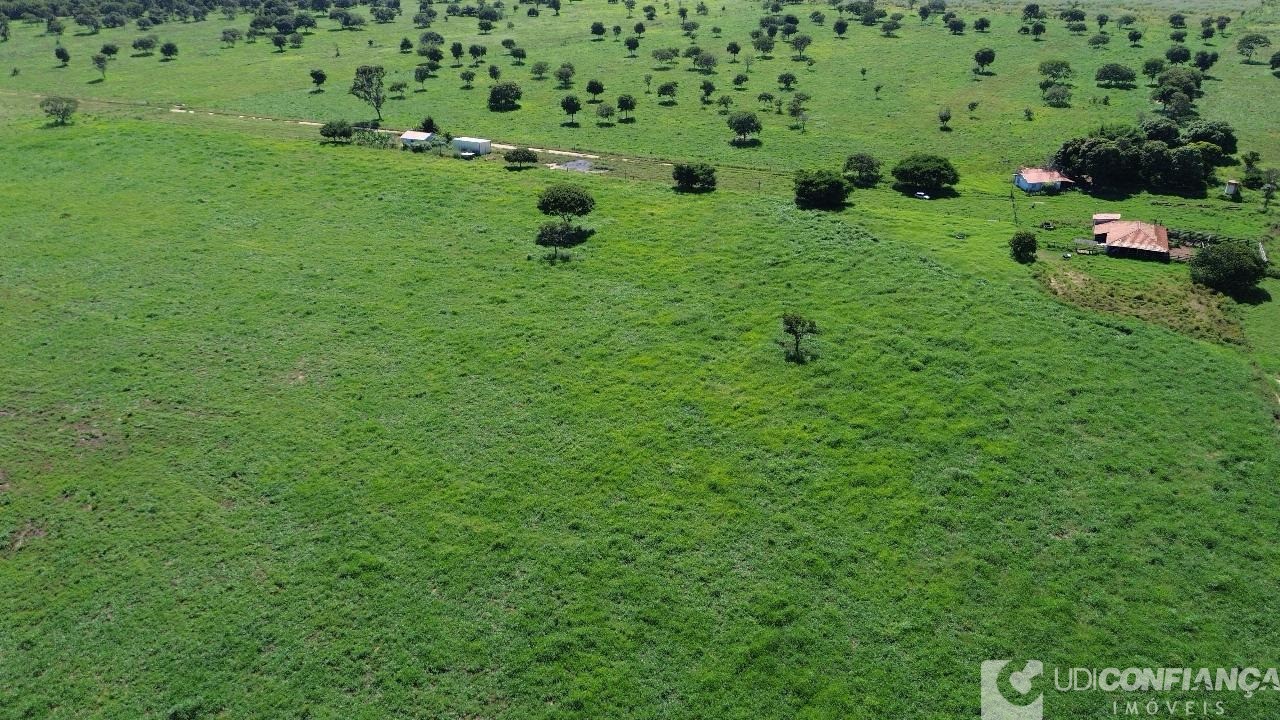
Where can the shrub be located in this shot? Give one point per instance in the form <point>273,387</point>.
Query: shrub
<point>336,131</point>
<point>1230,267</point>
<point>520,156</point>
<point>925,172</point>
<point>694,177</point>
<point>1022,246</point>
<point>820,189</point>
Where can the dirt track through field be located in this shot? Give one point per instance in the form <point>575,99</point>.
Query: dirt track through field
<point>633,167</point>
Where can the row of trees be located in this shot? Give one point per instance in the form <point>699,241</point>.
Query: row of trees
<point>917,173</point>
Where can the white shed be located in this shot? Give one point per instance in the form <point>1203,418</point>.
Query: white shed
<point>415,137</point>
<point>474,146</point>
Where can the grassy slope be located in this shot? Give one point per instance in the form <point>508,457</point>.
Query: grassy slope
<point>313,432</point>
<point>923,69</point>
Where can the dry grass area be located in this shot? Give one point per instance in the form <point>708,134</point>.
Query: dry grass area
<point>1179,306</point>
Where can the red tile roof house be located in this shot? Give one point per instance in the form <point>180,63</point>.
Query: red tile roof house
<point>1130,238</point>
<point>1039,179</point>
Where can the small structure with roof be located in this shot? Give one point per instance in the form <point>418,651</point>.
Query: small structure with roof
<point>1131,238</point>
<point>1231,189</point>
<point>469,146</point>
<point>1040,180</point>
<point>1100,218</point>
<point>411,138</point>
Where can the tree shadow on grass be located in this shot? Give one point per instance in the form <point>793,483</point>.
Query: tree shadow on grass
<point>910,191</point>
<point>571,124</point>
<point>747,143</point>
<point>519,168</point>
<point>569,237</point>
<point>1250,296</point>
<point>96,81</point>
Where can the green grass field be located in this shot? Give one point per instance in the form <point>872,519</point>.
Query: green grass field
<point>297,430</point>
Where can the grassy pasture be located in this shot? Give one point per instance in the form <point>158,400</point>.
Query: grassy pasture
<point>292,430</point>
<point>923,69</point>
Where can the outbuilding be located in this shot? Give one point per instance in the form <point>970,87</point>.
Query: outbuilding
<point>412,138</point>
<point>1131,238</point>
<point>1040,180</point>
<point>472,146</point>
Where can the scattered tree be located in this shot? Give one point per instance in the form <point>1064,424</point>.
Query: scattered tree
<point>566,202</point>
<point>984,58</point>
<point>862,170</point>
<point>1249,44</point>
<point>520,157</point>
<point>1228,266</point>
<point>694,177</point>
<point>929,173</point>
<point>820,189</point>
<point>504,96</point>
<point>799,328</point>
<point>60,109</point>
<point>571,106</point>
<point>368,86</point>
<point>169,50</point>
<point>1115,75</point>
<point>626,106</point>
<point>744,124</point>
<point>1023,247</point>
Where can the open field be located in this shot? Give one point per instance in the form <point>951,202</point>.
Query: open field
<point>315,431</point>
<point>328,442</point>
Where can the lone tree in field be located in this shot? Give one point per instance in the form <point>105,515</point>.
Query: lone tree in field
<point>944,118</point>
<point>1231,267</point>
<point>1022,247</point>
<point>169,51</point>
<point>983,58</point>
<point>368,86</point>
<point>744,124</point>
<point>566,202</point>
<point>925,172</point>
<point>571,106</point>
<point>694,177</point>
<point>100,64</point>
<point>520,157</point>
<point>595,87</point>
<point>60,109</point>
<point>62,54</point>
<point>798,327</point>
<point>820,189</point>
<point>318,77</point>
